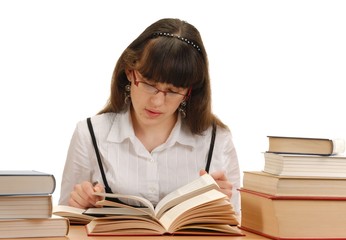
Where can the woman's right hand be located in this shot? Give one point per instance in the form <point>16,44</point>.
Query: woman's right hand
<point>82,195</point>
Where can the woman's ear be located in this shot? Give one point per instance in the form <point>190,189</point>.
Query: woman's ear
<point>129,74</point>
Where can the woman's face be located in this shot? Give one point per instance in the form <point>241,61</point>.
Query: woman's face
<point>154,103</point>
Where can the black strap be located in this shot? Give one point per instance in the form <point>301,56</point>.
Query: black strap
<point>211,148</point>
<point>104,178</point>
<point>91,130</point>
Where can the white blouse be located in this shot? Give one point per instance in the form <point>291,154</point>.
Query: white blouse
<point>131,169</point>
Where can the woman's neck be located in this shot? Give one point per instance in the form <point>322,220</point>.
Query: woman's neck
<point>153,136</point>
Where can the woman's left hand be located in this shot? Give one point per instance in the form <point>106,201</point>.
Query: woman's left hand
<point>221,180</point>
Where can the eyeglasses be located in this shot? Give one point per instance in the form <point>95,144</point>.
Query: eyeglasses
<point>152,90</point>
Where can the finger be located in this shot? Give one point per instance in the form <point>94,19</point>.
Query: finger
<point>219,175</point>
<point>99,188</point>
<point>88,190</point>
<point>73,203</point>
<point>77,198</point>
<point>225,184</point>
<point>227,192</point>
<point>202,172</point>
<point>79,194</point>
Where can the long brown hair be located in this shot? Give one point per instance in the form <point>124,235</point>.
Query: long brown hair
<point>168,51</point>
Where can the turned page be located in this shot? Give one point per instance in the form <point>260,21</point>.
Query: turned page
<point>148,206</point>
<point>174,218</point>
<point>201,185</point>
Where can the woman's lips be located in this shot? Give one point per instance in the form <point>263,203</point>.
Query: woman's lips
<point>153,113</point>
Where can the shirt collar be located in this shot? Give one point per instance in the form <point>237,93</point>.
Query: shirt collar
<point>122,129</point>
<point>181,134</point>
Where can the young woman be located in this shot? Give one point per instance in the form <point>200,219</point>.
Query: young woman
<point>155,133</point>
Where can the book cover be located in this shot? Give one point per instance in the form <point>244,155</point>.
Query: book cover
<point>293,217</point>
<point>303,145</point>
<point>294,185</point>
<point>26,182</point>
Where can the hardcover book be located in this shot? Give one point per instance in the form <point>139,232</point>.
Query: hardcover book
<point>198,208</point>
<point>305,165</point>
<point>53,228</point>
<point>293,217</point>
<point>301,145</point>
<point>26,206</point>
<point>26,182</point>
<point>294,185</point>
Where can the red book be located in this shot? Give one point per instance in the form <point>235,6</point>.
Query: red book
<point>293,217</point>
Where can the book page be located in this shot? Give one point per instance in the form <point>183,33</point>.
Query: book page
<point>125,225</point>
<point>202,184</point>
<point>211,229</point>
<point>142,200</point>
<point>338,146</point>
<point>170,218</point>
<point>75,215</point>
<point>109,211</point>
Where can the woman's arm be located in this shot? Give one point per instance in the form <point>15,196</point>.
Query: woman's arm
<point>76,186</point>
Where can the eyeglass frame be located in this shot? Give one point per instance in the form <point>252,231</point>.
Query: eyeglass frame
<point>165,92</point>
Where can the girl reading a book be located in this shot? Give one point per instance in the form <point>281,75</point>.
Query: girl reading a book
<point>157,131</point>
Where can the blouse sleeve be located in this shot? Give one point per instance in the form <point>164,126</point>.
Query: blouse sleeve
<point>77,166</point>
<point>225,158</point>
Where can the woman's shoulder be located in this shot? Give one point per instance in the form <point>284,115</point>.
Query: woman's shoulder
<point>224,130</point>
<point>100,122</point>
<point>104,118</point>
<point>219,131</point>
<point>223,135</point>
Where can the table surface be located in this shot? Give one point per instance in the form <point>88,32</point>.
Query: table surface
<point>79,232</point>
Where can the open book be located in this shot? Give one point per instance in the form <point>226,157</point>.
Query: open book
<point>197,208</point>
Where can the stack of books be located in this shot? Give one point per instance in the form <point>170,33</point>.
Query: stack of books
<point>301,192</point>
<point>26,206</point>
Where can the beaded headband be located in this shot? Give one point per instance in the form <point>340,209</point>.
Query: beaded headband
<point>164,34</point>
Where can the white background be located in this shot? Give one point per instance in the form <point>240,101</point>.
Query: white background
<point>277,68</point>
